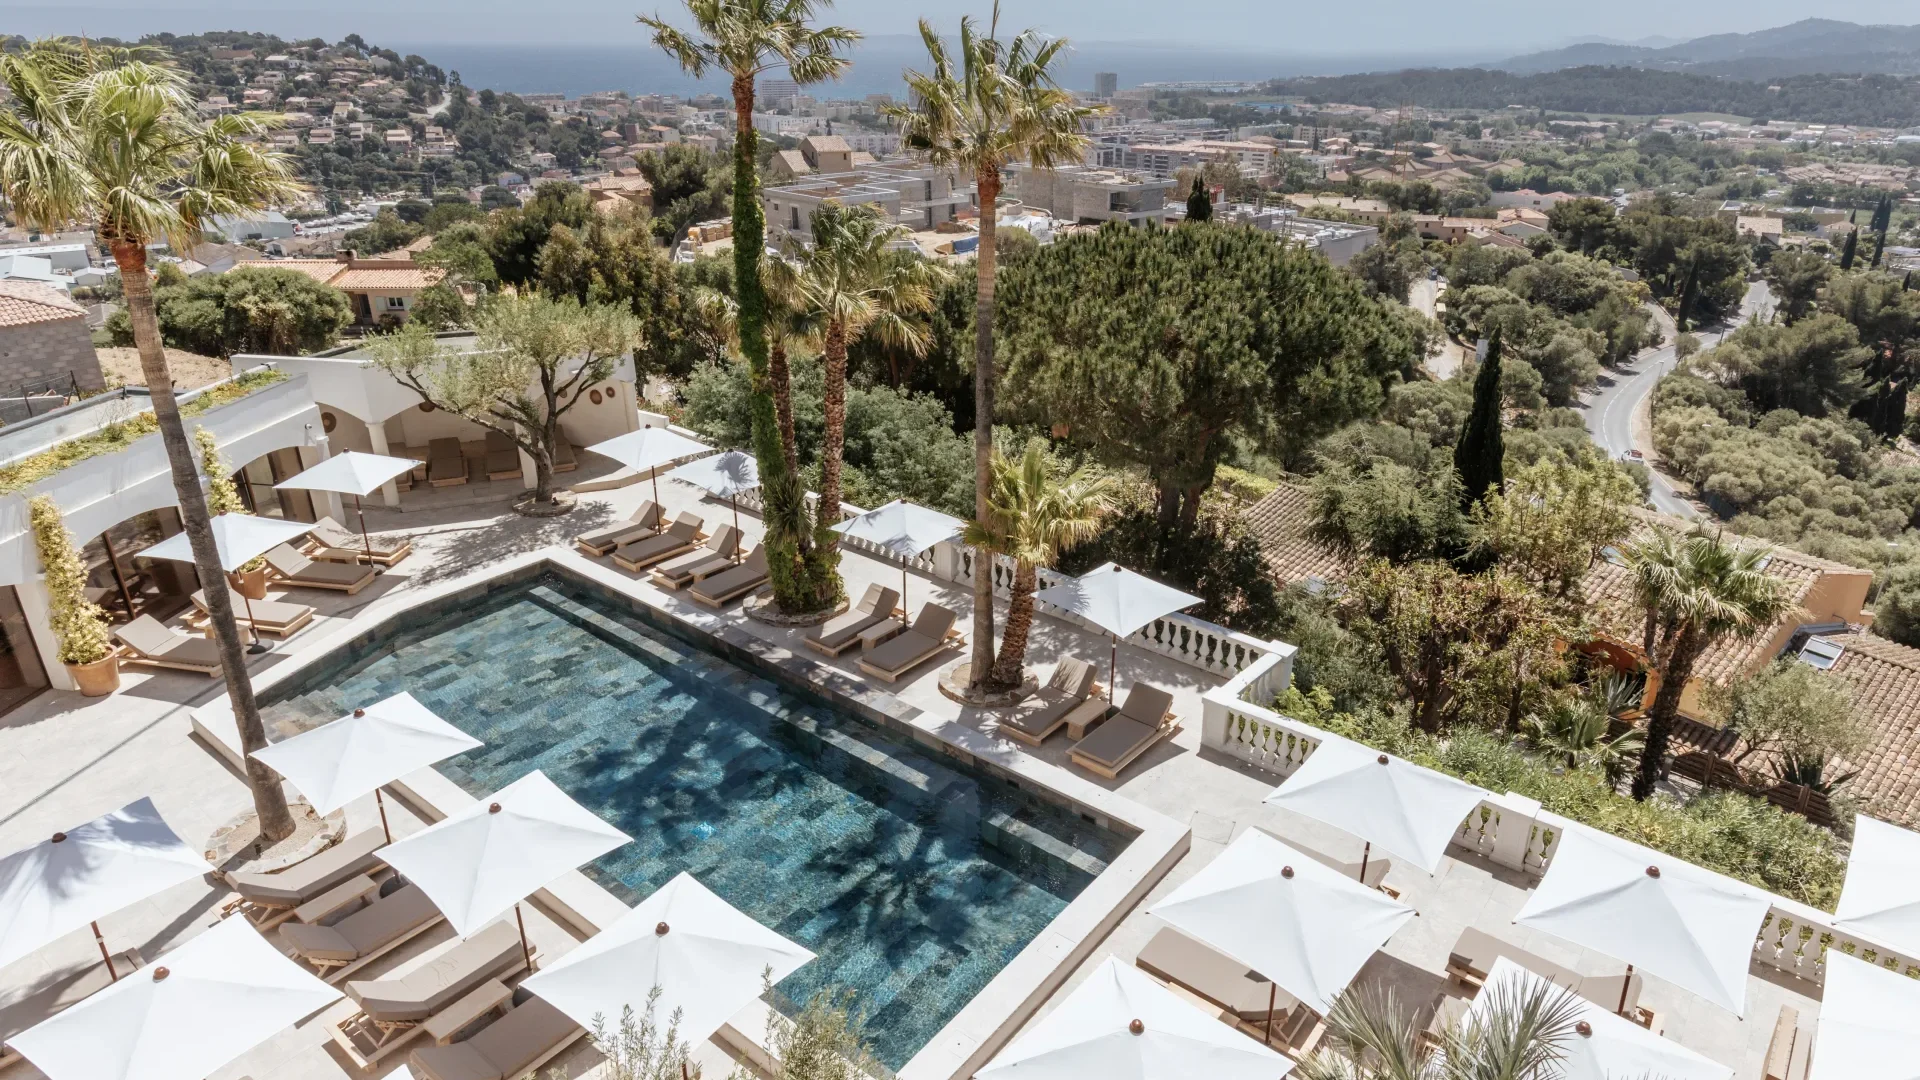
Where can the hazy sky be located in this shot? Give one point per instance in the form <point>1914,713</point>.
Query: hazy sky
<point>1487,27</point>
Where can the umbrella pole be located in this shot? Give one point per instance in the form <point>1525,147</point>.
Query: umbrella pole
<point>524,950</point>
<point>903,592</point>
<point>1273,990</point>
<point>1364,853</point>
<point>104,954</point>
<point>1624,986</point>
<point>735,502</point>
<point>253,628</point>
<point>656,485</point>
<point>1113,667</point>
<point>364,538</point>
<point>382,804</point>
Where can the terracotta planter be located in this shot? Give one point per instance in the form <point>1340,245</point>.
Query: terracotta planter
<point>251,584</point>
<point>98,679</point>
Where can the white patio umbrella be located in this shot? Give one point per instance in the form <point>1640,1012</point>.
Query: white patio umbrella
<point>1122,1025</point>
<point>239,539</point>
<point>1603,1045</point>
<point>1869,1023</point>
<point>86,873</point>
<point>197,1008</point>
<point>1690,926</point>
<point>1881,897</point>
<point>648,449</point>
<point>338,762</point>
<point>904,529</point>
<point>1118,601</point>
<point>725,475</point>
<point>352,473</point>
<point>706,957</point>
<point>1408,810</point>
<point>487,858</point>
<point>1307,928</point>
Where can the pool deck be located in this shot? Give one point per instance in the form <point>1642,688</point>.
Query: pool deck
<point>64,759</point>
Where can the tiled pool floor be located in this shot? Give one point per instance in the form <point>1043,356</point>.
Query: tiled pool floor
<point>915,881</point>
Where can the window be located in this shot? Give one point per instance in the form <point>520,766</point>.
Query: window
<point>1821,653</point>
<point>794,222</point>
<point>396,303</point>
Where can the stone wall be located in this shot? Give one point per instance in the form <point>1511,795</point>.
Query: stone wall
<point>45,351</point>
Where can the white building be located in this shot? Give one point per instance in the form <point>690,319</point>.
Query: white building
<point>59,256</point>
<point>271,225</point>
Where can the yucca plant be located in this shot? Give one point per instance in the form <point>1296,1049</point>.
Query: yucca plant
<point>1515,1034</point>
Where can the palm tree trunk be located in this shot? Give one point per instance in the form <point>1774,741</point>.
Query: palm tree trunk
<point>988,182</point>
<point>834,439</point>
<point>1013,644</point>
<point>269,801</point>
<point>782,377</point>
<point>1661,716</point>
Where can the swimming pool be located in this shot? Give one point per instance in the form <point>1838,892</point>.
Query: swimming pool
<point>915,879</point>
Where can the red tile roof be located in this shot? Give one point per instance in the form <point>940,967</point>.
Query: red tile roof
<point>1886,696</point>
<point>1280,522</point>
<point>23,303</point>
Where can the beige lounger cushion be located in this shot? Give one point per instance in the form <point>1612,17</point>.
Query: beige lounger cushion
<point>502,1050</point>
<point>300,570</point>
<point>924,638</point>
<point>716,554</point>
<point>563,459</point>
<point>335,538</point>
<point>874,607</point>
<point>1213,975</point>
<point>155,643</point>
<point>1111,743</point>
<point>272,616</point>
<point>493,953</point>
<point>645,518</point>
<point>1072,681</point>
<point>445,463</point>
<point>1146,704</point>
<point>311,876</point>
<point>725,585</point>
<point>503,457</point>
<point>366,931</point>
<point>649,550</point>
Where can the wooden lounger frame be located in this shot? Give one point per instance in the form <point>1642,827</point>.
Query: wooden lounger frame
<point>1166,730</point>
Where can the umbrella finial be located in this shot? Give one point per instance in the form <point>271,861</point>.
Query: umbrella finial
<point>660,929</point>
<point>494,809</point>
<point>1653,871</point>
<point>359,712</point>
<point>1585,1029</point>
<point>1286,871</point>
<point>1137,1027</point>
<point>1382,759</point>
<point>160,973</point>
<point>59,836</point>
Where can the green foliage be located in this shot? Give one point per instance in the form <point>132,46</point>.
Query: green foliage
<point>1896,607</point>
<point>277,312</point>
<point>1388,270</point>
<point>1796,278</point>
<point>1790,716</point>
<point>388,231</point>
<point>1553,521</point>
<point>612,260</point>
<point>441,307</point>
<point>1389,510</point>
<point>1241,339</point>
<point>222,496</point>
<point>515,236</point>
<point>1199,202</point>
<point>825,1040</point>
<point>1813,367</point>
<point>1577,728</point>
<point>461,249</point>
<point>690,185</point>
<point>1514,1032</point>
<point>1479,458</point>
<point>77,622</point>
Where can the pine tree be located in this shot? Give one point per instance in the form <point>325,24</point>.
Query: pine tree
<point>1846,252</point>
<point>1479,456</point>
<point>1199,202</point>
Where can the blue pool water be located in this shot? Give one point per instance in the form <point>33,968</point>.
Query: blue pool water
<point>915,880</point>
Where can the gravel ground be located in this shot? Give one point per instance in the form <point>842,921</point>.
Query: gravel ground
<point>121,366</point>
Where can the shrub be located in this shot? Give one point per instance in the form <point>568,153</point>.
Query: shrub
<point>77,621</point>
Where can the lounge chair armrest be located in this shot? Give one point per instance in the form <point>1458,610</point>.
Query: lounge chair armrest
<point>351,893</point>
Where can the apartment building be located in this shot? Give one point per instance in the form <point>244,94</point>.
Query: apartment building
<point>1078,193</point>
<point>824,168</point>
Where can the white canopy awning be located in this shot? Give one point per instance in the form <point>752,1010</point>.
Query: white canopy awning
<point>482,861</point>
<point>350,473</point>
<point>1881,897</point>
<point>88,872</point>
<point>1121,1025</point>
<point>725,475</point>
<point>1869,1023</point>
<point>648,449</point>
<point>1611,1047</point>
<point>1116,599</point>
<point>192,1011</point>
<point>1304,926</point>
<point>707,958</point>
<point>1407,810</point>
<point>338,762</point>
<point>903,528</point>
<point>1690,926</point>
<point>239,538</point>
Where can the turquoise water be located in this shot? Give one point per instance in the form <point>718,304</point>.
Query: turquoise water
<point>914,880</point>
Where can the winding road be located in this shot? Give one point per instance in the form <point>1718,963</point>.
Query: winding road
<point>1610,409</point>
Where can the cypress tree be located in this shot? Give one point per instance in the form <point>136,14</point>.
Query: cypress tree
<point>1879,248</point>
<point>1906,284</point>
<point>1846,252</point>
<point>1479,456</point>
<point>1882,215</point>
<point>1199,202</point>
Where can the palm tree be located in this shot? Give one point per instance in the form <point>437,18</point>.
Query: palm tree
<point>113,135</point>
<point>1515,1034</point>
<point>1000,105</point>
<point>744,38</point>
<point>1695,591</point>
<point>1576,730</point>
<point>848,285</point>
<point>1034,515</point>
<point>717,317</point>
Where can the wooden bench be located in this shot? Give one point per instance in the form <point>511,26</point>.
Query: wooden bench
<point>1790,1049</point>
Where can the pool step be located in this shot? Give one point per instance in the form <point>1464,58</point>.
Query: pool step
<point>1022,840</point>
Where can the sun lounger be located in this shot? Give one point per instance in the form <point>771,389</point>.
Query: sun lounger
<point>1475,951</point>
<point>149,642</point>
<point>294,568</point>
<point>1142,720</point>
<point>677,539</point>
<point>446,464</point>
<point>267,900</point>
<point>709,558</point>
<point>1070,685</point>
<point>921,642</point>
<point>1789,1048</point>
<point>721,589</point>
<point>341,948</point>
<point>643,522</point>
<point>394,1010</point>
<point>842,632</point>
<point>503,457</point>
<point>1172,956</point>
<point>277,617</point>
<point>563,459</point>
<point>530,1035</point>
<point>335,544</point>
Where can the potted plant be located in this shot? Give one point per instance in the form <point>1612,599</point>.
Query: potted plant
<point>223,497</point>
<point>85,647</point>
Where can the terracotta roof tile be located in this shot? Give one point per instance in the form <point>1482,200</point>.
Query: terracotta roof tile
<point>320,270</point>
<point>1886,695</point>
<point>1280,522</point>
<point>363,279</point>
<point>23,303</point>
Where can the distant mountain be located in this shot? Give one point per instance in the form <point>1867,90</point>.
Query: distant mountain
<point>1810,46</point>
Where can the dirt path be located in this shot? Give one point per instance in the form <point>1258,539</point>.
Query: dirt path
<point>121,366</point>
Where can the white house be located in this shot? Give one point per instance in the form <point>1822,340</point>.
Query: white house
<point>271,225</point>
